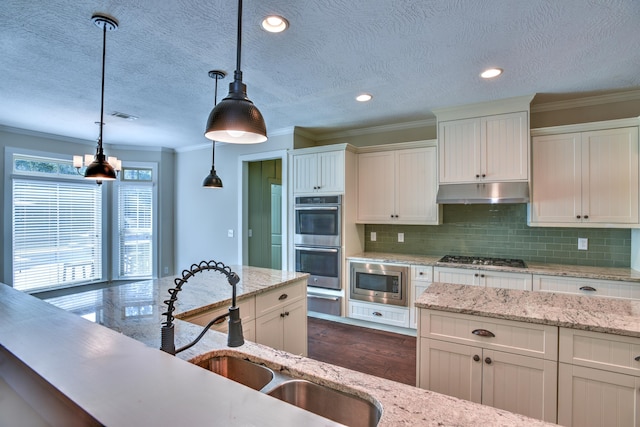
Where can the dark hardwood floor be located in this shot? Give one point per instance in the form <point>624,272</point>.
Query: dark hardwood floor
<point>381,353</point>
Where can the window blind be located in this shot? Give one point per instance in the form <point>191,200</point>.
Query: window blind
<point>135,209</point>
<point>57,233</point>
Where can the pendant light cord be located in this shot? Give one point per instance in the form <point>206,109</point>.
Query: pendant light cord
<point>215,102</point>
<point>238,74</point>
<point>104,55</point>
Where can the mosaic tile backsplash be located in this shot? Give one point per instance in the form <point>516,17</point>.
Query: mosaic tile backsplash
<point>502,231</point>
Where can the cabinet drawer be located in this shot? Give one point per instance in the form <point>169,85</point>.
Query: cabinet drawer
<point>277,298</point>
<point>247,313</point>
<point>379,313</point>
<point>422,273</point>
<point>515,337</point>
<point>598,350</point>
<point>602,288</point>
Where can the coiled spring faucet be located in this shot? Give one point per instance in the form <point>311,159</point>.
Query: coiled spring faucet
<point>234,338</point>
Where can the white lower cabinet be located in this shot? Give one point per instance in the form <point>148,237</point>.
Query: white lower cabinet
<point>505,364</point>
<point>277,318</point>
<point>379,313</point>
<point>481,277</point>
<point>598,379</point>
<point>592,287</point>
<point>420,279</point>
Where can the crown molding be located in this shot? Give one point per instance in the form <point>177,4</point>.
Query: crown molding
<point>588,101</point>
<point>376,129</point>
<point>586,127</point>
<point>488,108</point>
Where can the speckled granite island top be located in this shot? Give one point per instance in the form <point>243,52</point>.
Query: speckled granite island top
<point>609,315</point>
<point>564,270</point>
<point>128,378</point>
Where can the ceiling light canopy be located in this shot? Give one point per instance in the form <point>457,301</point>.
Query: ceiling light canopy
<point>275,24</point>
<point>213,180</point>
<point>364,97</point>
<point>100,169</point>
<point>235,119</point>
<point>490,73</point>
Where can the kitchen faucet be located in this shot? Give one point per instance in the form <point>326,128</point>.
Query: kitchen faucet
<point>234,338</point>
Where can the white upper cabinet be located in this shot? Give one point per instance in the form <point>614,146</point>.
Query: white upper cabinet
<point>321,172</point>
<point>585,179</point>
<point>398,187</point>
<point>484,149</point>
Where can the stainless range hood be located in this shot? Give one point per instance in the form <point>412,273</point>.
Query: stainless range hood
<point>490,192</point>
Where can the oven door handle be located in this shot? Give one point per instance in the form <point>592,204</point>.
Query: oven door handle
<point>315,249</point>
<point>316,208</point>
<point>322,297</point>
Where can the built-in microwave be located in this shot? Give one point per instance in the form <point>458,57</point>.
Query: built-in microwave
<point>380,283</point>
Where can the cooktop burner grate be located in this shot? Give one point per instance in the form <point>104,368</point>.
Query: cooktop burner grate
<point>499,262</point>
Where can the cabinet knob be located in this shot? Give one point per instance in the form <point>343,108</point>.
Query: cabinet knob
<point>283,297</point>
<point>586,217</point>
<point>476,275</point>
<point>281,314</point>
<point>476,358</point>
<point>578,216</point>
<point>286,313</point>
<point>487,361</point>
<point>483,333</point>
<point>477,175</point>
<point>377,313</point>
<point>484,176</point>
<point>482,275</point>
<point>421,273</point>
<point>587,288</point>
<point>637,359</point>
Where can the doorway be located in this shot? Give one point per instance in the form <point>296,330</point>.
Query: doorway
<point>264,214</point>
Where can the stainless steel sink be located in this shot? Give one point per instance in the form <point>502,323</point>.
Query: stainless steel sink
<point>337,406</point>
<point>240,370</point>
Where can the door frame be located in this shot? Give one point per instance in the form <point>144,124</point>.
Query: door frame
<point>243,202</point>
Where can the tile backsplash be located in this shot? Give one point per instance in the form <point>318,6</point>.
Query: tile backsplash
<point>501,231</point>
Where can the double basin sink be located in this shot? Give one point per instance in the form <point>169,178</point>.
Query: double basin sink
<point>341,407</point>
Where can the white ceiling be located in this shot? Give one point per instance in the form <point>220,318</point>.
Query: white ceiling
<point>412,55</point>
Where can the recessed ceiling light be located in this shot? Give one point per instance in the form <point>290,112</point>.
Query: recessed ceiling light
<point>364,97</point>
<point>275,24</point>
<point>491,73</point>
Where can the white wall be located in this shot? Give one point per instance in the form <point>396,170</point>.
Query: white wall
<point>204,215</point>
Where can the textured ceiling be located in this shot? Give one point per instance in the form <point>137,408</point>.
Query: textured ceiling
<point>412,55</point>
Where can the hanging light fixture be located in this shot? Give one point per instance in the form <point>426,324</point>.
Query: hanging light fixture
<point>235,119</point>
<point>213,180</point>
<point>100,169</point>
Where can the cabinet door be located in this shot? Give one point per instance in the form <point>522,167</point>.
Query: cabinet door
<point>331,172</point>
<point>556,179</point>
<point>459,151</point>
<point>269,330</point>
<point>610,176</point>
<point>376,186</point>
<point>416,186</point>
<point>521,384</point>
<point>305,173</point>
<point>295,328</point>
<point>592,397</point>
<point>505,147</point>
<point>495,279</point>
<point>450,369</point>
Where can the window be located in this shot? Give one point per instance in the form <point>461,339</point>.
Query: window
<point>56,225</point>
<point>135,223</point>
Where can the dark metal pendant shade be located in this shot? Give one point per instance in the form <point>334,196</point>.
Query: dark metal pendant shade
<point>212,180</point>
<point>100,169</point>
<point>235,119</point>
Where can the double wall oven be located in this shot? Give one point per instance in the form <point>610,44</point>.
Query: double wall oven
<point>317,244</point>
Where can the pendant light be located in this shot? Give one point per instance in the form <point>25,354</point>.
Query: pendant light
<point>100,169</point>
<point>235,119</point>
<point>213,180</point>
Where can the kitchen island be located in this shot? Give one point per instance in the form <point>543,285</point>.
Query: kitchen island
<point>116,375</point>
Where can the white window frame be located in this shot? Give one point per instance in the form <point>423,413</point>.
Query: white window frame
<point>115,235</point>
<point>9,175</point>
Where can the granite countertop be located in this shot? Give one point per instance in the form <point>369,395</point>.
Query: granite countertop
<point>135,311</point>
<point>565,270</point>
<point>609,315</point>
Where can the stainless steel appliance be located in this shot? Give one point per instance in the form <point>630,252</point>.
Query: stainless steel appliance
<point>318,221</point>
<point>499,262</point>
<point>322,263</point>
<point>381,283</point>
<point>322,303</point>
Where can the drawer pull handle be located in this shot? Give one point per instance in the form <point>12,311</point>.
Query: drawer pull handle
<point>377,313</point>
<point>283,297</point>
<point>476,358</point>
<point>637,359</point>
<point>587,288</point>
<point>483,333</point>
<point>285,314</point>
<point>488,361</point>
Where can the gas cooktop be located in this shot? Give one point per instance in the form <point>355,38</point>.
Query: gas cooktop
<point>499,262</point>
